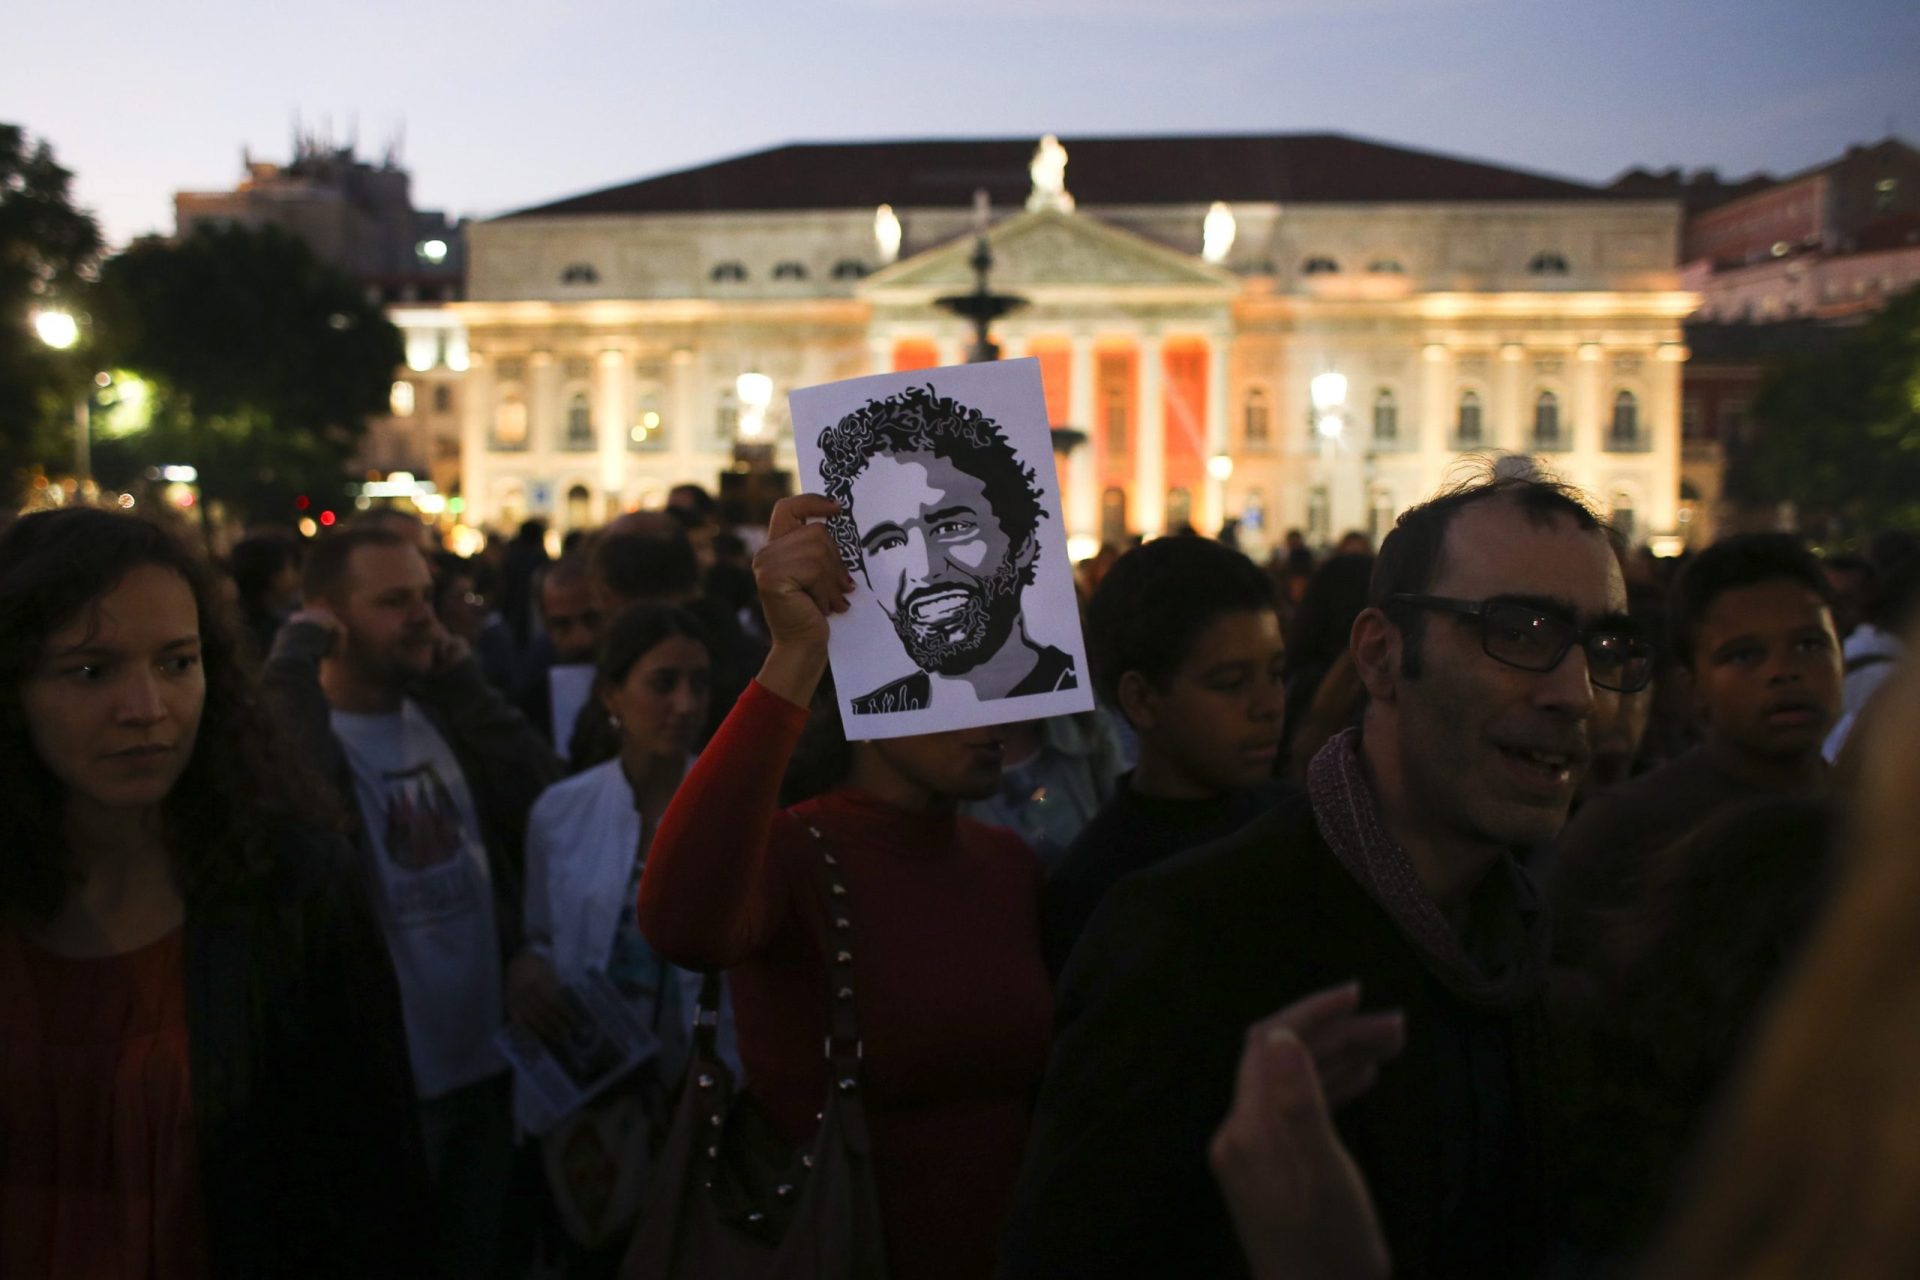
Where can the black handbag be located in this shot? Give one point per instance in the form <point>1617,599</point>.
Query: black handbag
<point>729,1198</point>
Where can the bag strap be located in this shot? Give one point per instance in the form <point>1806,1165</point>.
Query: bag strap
<point>844,1047</point>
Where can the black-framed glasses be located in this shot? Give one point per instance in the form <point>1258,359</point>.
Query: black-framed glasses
<point>1525,636</point>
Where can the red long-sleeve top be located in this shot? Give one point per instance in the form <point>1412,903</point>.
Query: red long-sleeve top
<point>952,996</point>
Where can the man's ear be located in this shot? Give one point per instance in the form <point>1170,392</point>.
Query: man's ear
<point>1136,700</point>
<point>1375,644</point>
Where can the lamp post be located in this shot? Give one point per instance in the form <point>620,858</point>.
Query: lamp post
<point>982,306</point>
<point>60,331</point>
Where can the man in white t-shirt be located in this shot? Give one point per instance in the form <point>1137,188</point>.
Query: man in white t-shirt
<point>441,772</point>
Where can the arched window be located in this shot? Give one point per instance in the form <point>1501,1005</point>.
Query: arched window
<point>580,273</point>
<point>1319,266</point>
<point>790,271</point>
<point>1380,514</point>
<point>1386,267</point>
<point>1622,517</point>
<point>850,269</point>
<point>1179,510</point>
<point>1624,432</point>
<point>1546,421</point>
<point>727,272</point>
<point>579,422</point>
<point>442,399</point>
<point>579,507</point>
<point>1548,263</point>
<point>1467,425</point>
<point>1116,421</point>
<point>510,421</point>
<point>1113,517</point>
<point>1386,417</point>
<point>1257,432</point>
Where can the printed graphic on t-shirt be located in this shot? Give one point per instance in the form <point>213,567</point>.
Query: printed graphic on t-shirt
<point>423,840</point>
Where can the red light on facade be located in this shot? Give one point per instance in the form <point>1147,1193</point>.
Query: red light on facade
<point>301,503</point>
<point>326,518</point>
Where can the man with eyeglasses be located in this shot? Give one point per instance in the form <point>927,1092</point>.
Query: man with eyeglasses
<point>1495,639</point>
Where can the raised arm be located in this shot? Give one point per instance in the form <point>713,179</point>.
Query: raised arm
<point>711,896</point>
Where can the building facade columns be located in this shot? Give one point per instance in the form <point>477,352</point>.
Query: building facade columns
<point>1214,508</point>
<point>613,414</point>
<point>1149,505</point>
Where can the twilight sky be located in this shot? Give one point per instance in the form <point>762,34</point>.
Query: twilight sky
<point>506,105</point>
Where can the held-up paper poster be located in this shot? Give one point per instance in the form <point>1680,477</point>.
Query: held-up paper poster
<point>963,613</point>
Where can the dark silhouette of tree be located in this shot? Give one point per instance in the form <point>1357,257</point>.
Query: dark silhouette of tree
<point>1838,432</point>
<point>48,249</point>
<point>266,361</point>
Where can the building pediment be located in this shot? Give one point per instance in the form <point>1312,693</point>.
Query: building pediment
<point>1049,249</point>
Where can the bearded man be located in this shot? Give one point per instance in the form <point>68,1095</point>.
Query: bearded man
<point>942,519</point>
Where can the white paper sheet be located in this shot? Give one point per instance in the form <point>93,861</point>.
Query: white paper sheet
<point>964,613</point>
<point>569,685</point>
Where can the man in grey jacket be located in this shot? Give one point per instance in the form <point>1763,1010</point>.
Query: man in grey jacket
<point>441,772</point>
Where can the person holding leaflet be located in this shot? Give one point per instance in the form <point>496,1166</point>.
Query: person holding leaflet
<point>954,1001</point>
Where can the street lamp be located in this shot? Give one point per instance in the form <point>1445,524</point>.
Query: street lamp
<point>1329,392</point>
<point>756,393</point>
<point>59,330</point>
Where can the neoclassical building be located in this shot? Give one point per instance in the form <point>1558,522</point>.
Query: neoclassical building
<point>1292,331</point>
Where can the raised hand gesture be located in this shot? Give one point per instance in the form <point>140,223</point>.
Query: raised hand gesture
<point>802,581</point>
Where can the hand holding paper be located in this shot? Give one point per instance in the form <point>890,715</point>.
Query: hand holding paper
<point>801,580</point>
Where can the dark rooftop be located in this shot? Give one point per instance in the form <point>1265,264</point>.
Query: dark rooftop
<point>1295,168</point>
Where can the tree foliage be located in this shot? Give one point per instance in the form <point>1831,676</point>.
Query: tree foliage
<point>266,361</point>
<point>48,249</point>
<point>1839,432</point>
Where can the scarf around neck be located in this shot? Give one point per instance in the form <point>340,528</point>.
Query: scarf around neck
<point>1508,934</point>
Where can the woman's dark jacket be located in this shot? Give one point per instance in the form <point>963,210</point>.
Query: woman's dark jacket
<point>310,1156</point>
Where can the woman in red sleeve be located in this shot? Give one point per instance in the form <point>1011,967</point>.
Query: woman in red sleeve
<point>202,1071</point>
<point>953,1002</point>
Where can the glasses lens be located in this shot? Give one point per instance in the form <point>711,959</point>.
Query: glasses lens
<point>1525,637</point>
<point>1620,662</point>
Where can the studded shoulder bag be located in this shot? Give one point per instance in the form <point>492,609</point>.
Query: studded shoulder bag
<point>729,1198</point>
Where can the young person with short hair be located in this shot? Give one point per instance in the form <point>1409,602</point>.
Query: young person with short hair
<point>1753,631</point>
<point>1184,641</point>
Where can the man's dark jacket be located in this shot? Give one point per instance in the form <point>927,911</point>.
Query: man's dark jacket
<point>505,763</point>
<point>308,1143</point>
<point>1152,1017</point>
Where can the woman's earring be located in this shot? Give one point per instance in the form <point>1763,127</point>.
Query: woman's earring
<point>613,719</point>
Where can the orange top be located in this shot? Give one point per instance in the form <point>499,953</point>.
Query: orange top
<point>98,1175</point>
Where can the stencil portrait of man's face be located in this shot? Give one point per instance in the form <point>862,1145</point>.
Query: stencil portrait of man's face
<point>938,558</point>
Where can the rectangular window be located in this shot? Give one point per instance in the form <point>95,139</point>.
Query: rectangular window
<point>1691,425</point>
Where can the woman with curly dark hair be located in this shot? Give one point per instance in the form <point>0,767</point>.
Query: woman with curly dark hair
<point>202,1070</point>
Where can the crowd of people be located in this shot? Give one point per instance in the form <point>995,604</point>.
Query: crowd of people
<point>1499,901</point>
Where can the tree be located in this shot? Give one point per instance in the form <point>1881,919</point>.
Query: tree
<point>47,252</point>
<point>266,362</point>
<point>1838,433</point>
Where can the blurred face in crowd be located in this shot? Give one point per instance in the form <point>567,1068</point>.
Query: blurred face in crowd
<point>1215,725</point>
<point>1489,753</point>
<point>961,764</point>
<point>662,703</point>
<point>461,608</point>
<point>1767,670</point>
<point>1850,587</point>
<point>571,617</point>
<point>386,604</point>
<point>934,552</point>
<point>113,709</point>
